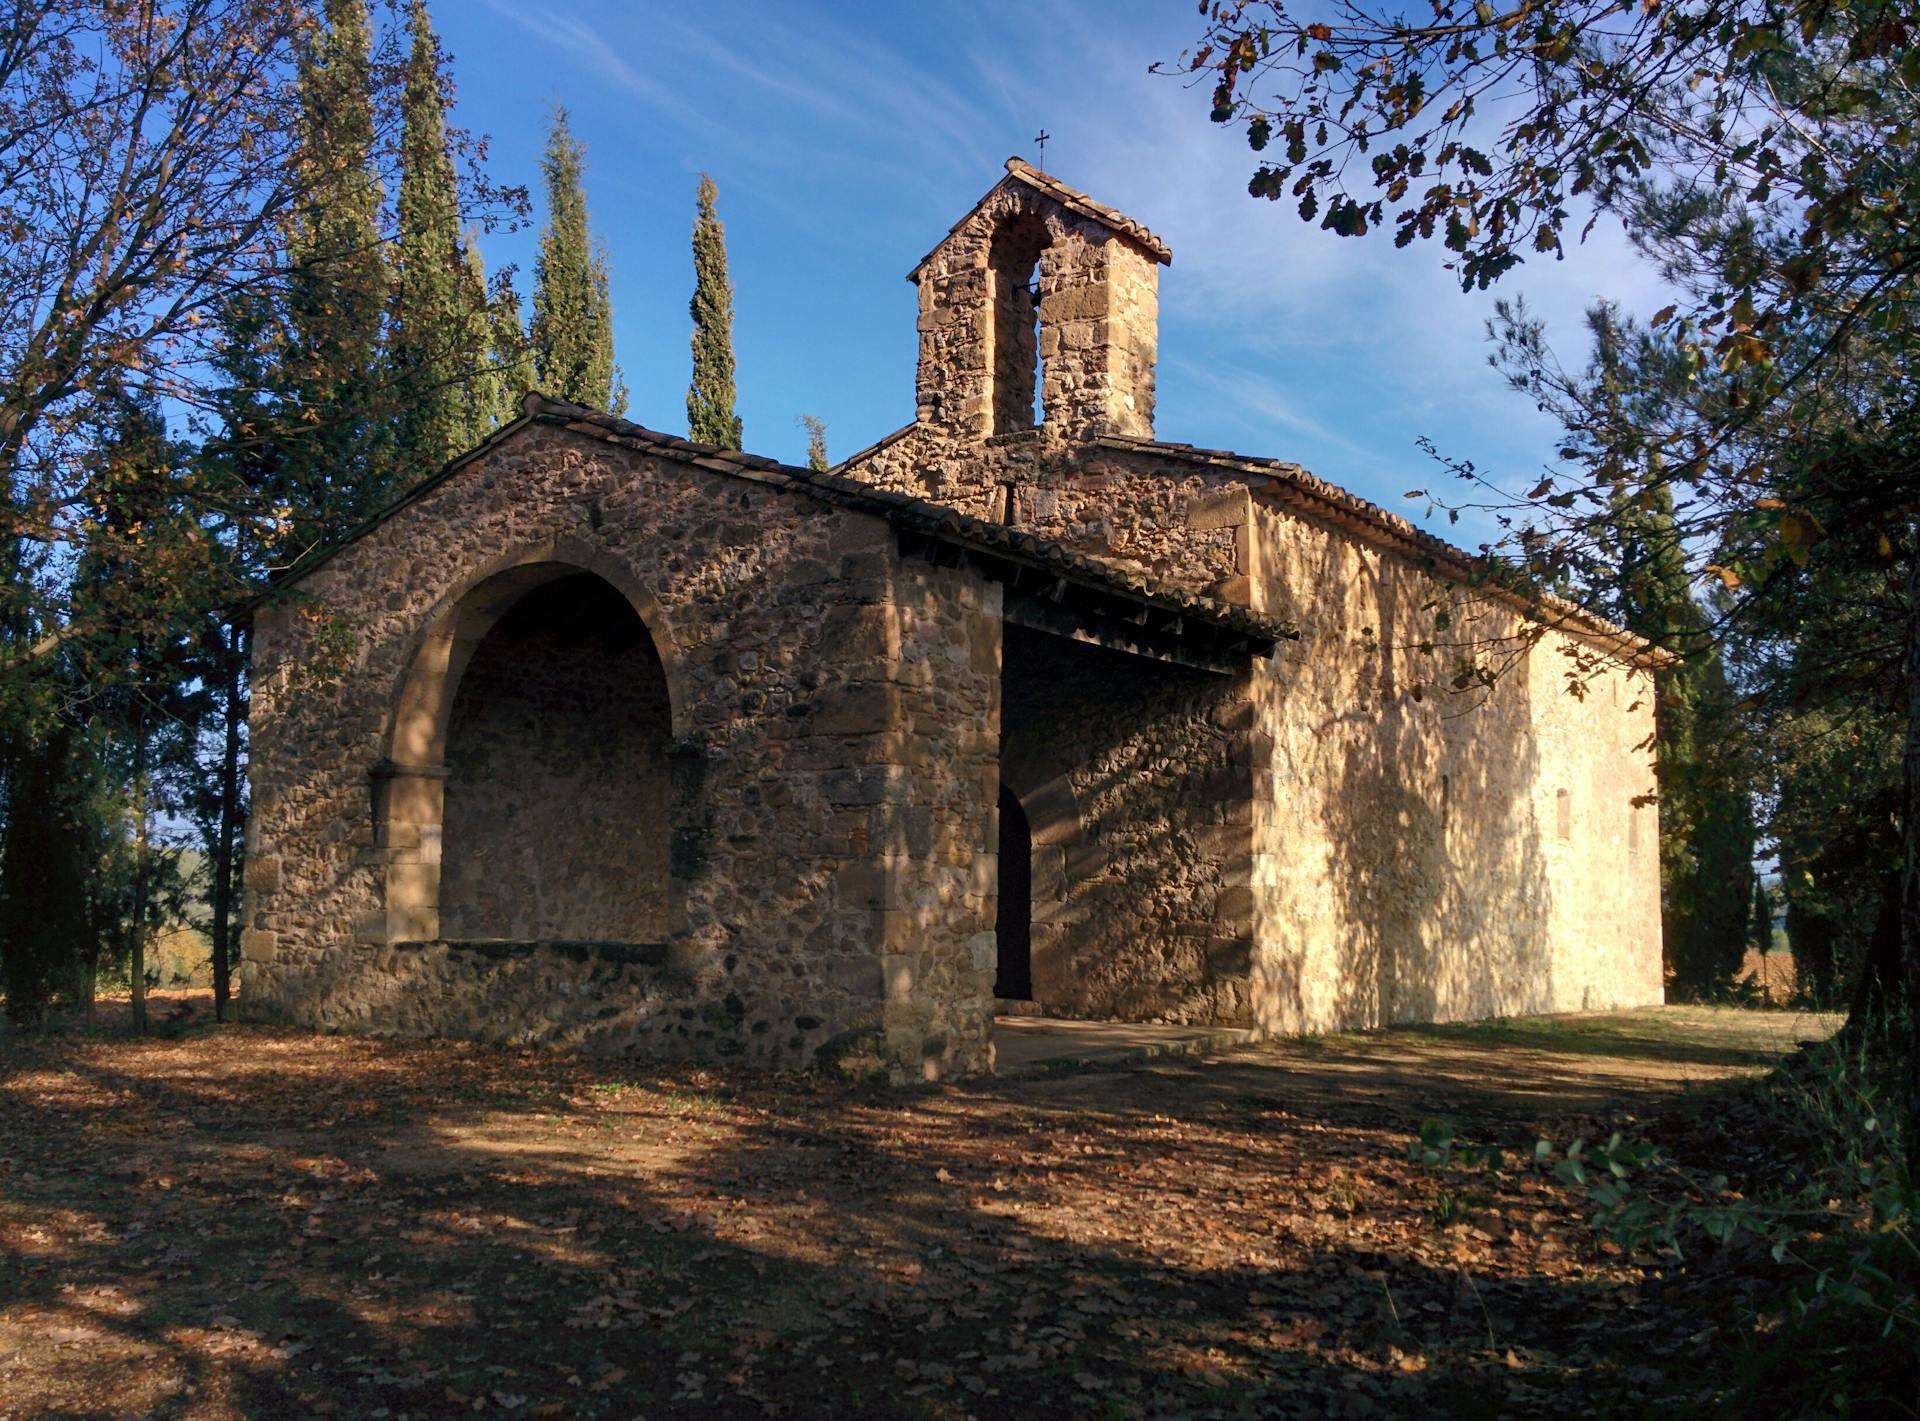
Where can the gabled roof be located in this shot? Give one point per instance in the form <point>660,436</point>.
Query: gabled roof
<point>1291,485</point>
<point>1004,554</point>
<point>1019,170</point>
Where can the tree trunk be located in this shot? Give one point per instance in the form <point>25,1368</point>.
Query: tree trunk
<point>1910,869</point>
<point>229,825</point>
<point>137,943</point>
<point>1876,992</point>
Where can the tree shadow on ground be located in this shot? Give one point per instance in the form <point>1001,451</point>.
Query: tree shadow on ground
<point>1641,1036</point>
<point>258,1223</point>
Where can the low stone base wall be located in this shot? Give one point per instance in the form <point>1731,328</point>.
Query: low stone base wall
<point>600,997</point>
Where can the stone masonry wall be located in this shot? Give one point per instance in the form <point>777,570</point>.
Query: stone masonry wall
<point>793,640</point>
<point>937,846</point>
<point>1409,864</point>
<point>1097,500</point>
<point>1406,862</point>
<point>1098,314</point>
<point>1135,779</point>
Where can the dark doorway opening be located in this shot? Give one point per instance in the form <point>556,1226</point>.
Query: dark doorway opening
<point>1013,927</point>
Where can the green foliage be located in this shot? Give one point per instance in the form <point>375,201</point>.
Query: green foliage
<point>43,875</point>
<point>710,396</point>
<point>816,442</point>
<point>1437,1148</point>
<point>1760,921</point>
<point>1829,712</point>
<point>493,390</point>
<point>512,353</point>
<point>1378,120</point>
<point>1706,814</point>
<point>572,335</point>
<point>340,286</point>
<point>444,398</point>
<point>1824,1197</point>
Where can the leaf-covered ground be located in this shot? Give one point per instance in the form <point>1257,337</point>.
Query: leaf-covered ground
<point>246,1221</point>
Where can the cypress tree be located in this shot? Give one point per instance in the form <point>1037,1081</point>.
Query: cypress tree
<point>512,352</point>
<point>336,373</point>
<point>710,416</point>
<point>1760,929</point>
<point>484,397</point>
<point>572,335</point>
<point>1706,818</point>
<point>816,428</point>
<point>435,308</point>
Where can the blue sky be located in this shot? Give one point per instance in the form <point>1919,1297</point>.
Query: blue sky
<point>846,138</point>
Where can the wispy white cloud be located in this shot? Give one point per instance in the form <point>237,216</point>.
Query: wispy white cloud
<point>569,34</point>
<point>870,131</point>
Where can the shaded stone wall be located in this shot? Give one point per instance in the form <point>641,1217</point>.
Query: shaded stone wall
<point>1135,778</point>
<point>557,778</point>
<point>936,844</point>
<point>799,708</point>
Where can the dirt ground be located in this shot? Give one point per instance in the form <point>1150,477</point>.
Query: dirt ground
<point>243,1221</point>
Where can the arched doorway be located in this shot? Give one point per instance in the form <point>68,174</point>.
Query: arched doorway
<point>528,794</point>
<point>557,781</point>
<point>1013,925</point>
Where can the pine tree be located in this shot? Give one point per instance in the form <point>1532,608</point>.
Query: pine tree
<point>436,307</point>
<point>572,336</point>
<point>339,290</point>
<point>710,416</point>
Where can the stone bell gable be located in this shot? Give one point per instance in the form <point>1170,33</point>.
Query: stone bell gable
<point>1039,277</point>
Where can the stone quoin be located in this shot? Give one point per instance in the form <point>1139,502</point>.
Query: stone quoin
<point>603,739</point>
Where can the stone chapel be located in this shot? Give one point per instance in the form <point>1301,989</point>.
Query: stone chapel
<point>604,739</point>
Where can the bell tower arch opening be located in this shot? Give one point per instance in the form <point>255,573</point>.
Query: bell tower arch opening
<point>1013,281</point>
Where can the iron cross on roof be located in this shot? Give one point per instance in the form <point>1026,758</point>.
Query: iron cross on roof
<point>1040,142</point>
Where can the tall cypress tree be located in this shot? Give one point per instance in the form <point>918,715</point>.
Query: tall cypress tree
<point>1706,818</point>
<point>1760,926</point>
<point>512,352</point>
<point>336,373</point>
<point>572,335</point>
<point>485,397</point>
<point>435,307</point>
<point>710,416</point>
<point>816,428</point>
